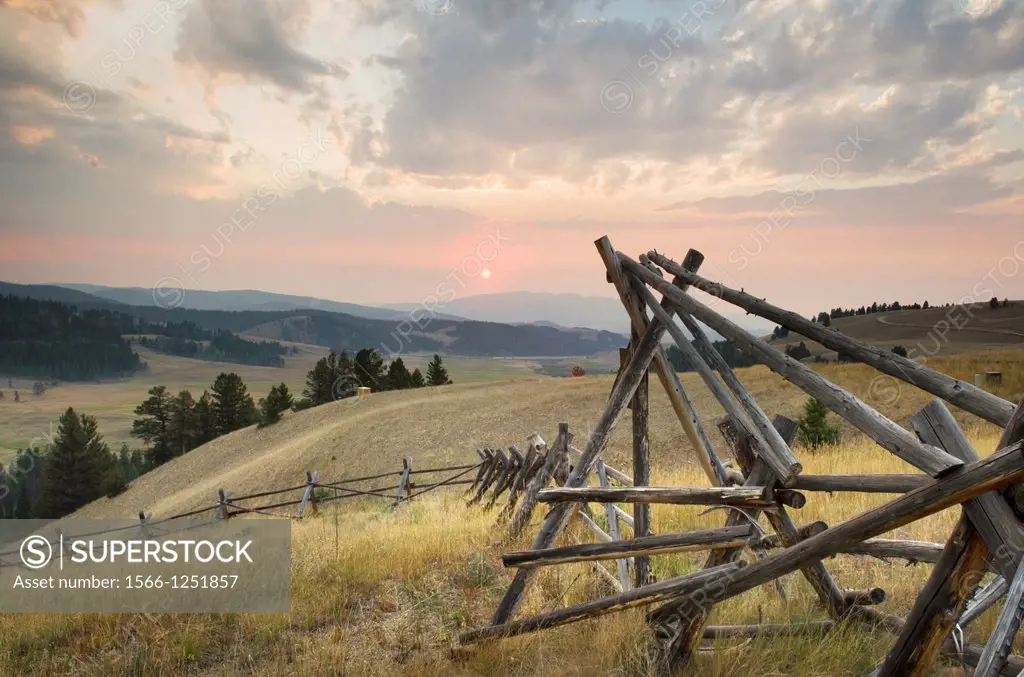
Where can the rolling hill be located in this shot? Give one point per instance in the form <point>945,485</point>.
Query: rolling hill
<point>443,426</point>
<point>925,332</point>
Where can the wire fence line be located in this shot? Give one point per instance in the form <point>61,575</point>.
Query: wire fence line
<point>228,505</point>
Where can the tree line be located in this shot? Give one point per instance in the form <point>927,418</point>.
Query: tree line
<point>223,346</point>
<point>732,355</point>
<point>339,375</point>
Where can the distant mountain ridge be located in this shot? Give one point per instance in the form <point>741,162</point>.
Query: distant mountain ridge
<point>240,299</point>
<point>342,331</point>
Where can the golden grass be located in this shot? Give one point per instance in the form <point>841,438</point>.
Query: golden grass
<point>382,591</point>
<point>377,590</point>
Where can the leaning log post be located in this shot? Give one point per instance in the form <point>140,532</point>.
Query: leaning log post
<point>681,404</point>
<point>515,462</point>
<point>403,491</point>
<point>485,461</point>
<point>311,479</point>
<point>993,658</point>
<point>559,516</point>
<point>552,459</point>
<point>687,541</point>
<point>938,604</point>
<point>961,393</point>
<point>882,430</point>
<point>1003,468</point>
<point>779,445</point>
<point>518,485</point>
<point>778,457</point>
<point>641,471</point>
<point>991,514</point>
<point>222,504</point>
<point>613,529</point>
<point>649,594</point>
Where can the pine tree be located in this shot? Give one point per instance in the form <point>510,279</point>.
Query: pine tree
<point>206,420</point>
<point>416,380</point>
<point>183,428</point>
<point>233,407</point>
<point>153,426</point>
<point>77,470</point>
<point>399,377</point>
<point>815,430</point>
<point>437,375</point>
<point>331,378</point>
<point>277,401</point>
<point>369,369</point>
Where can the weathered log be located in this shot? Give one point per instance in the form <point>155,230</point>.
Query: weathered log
<point>649,594</point>
<point>617,475</point>
<point>641,525</point>
<point>485,465</point>
<point>777,454</point>
<point>1000,641</point>
<point>873,484</point>
<point>403,484</point>
<point>885,548</point>
<point>738,496</point>
<point>559,516</point>
<point>645,545</point>
<point>776,440</point>
<point>551,461</point>
<point>961,393</point>
<point>1001,469</point>
<point>613,529</point>
<point>515,460</point>
<point>681,404</point>
<point>969,655</point>
<point>788,497</point>
<point>519,484</point>
<point>963,561</point>
<point>864,597</point>
<point>990,514</point>
<point>885,432</point>
<point>984,599</point>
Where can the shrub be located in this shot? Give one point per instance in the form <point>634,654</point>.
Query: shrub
<point>578,371</point>
<point>899,350</point>
<point>815,430</point>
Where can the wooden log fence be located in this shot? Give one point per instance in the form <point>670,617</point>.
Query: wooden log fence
<point>766,480</point>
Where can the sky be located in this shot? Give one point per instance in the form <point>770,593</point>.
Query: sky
<point>819,153</point>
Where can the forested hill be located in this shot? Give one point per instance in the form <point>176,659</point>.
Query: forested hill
<point>45,338</point>
<point>49,339</point>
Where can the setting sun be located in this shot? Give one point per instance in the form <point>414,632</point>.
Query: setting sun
<point>485,273</point>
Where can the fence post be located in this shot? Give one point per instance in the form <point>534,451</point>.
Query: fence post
<point>308,494</point>
<point>613,529</point>
<point>144,517</point>
<point>403,491</point>
<point>222,509</point>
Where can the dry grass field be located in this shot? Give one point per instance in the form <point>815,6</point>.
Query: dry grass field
<point>113,402</point>
<point>378,590</point>
<point>382,591</point>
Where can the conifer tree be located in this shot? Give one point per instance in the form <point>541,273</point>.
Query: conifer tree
<point>153,425</point>
<point>277,401</point>
<point>416,380</point>
<point>437,375</point>
<point>183,428</point>
<point>233,406</point>
<point>399,377</point>
<point>815,430</point>
<point>206,420</point>
<point>369,369</point>
<point>77,469</point>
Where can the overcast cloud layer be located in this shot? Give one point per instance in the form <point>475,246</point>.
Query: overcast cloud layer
<point>362,149</point>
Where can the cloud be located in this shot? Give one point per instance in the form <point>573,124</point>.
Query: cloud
<point>67,13</point>
<point>515,90</point>
<point>253,40</point>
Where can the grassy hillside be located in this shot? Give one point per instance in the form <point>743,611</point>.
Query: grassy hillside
<point>933,330</point>
<point>445,425</point>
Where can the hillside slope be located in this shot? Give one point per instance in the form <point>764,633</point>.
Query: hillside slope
<point>928,331</point>
<point>443,426</point>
